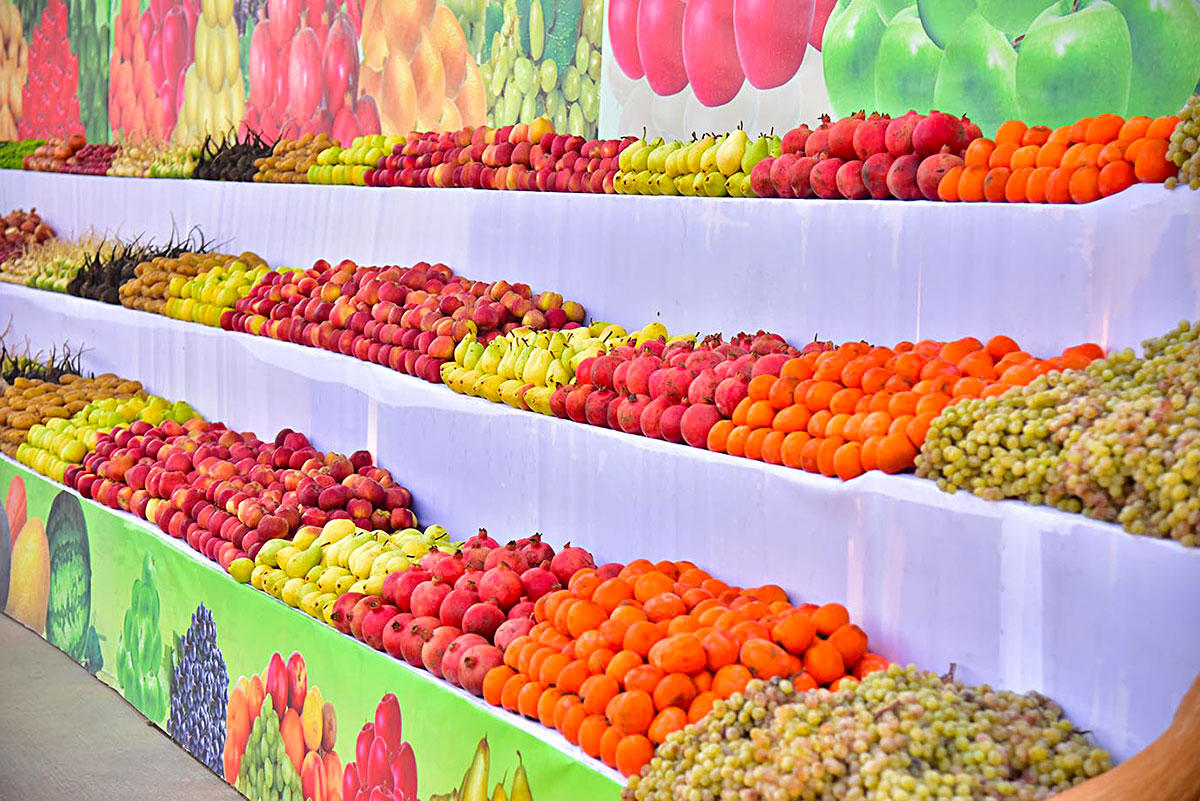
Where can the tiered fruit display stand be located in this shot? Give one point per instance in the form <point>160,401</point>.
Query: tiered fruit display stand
<point>1016,596</point>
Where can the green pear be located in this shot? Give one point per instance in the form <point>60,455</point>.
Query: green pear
<point>684,184</point>
<point>658,159</point>
<point>734,185</point>
<point>708,162</point>
<point>774,147</point>
<point>638,163</point>
<point>625,160</point>
<point>729,154</point>
<point>300,564</point>
<point>714,184</point>
<point>519,365</point>
<point>644,187</point>
<point>696,153</point>
<point>666,185</point>
<point>473,355</point>
<point>756,151</point>
<point>489,360</point>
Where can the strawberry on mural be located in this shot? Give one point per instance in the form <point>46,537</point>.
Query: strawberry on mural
<point>150,53</point>
<point>304,75</point>
<point>49,101</point>
<point>14,68</point>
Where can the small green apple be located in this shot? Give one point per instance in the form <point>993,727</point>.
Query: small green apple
<point>941,18</point>
<point>907,65</point>
<point>1165,36</point>
<point>978,75</point>
<point>849,50</point>
<point>1012,17</point>
<point>1074,63</point>
<point>888,9</point>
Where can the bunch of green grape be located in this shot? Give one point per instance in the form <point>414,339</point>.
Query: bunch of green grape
<point>545,60</point>
<point>266,772</point>
<point>140,663</point>
<point>900,734</point>
<point>1184,148</point>
<point>1118,441</point>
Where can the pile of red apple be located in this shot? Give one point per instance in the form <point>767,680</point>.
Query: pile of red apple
<point>49,100</point>
<point>22,229</point>
<point>384,765</point>
<point>676,391</point>
<point>529,157</point>
<point>867,157</point>
<point>227,492</point>
<point>454,614</point>
<point>304,73</point>
<point>409,319</point>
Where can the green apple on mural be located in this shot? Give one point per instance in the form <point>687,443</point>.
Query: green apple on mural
<point>907,65</point>
<point>941,18</point>
<point>1074,63</point>
<point>1165,35</point>
<point>888,9</point>
<point>849,49</point>
<point>1012,17</point>
<point>978,75</point>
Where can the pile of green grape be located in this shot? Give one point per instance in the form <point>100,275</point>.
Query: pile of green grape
<point>1184,149</point>
<point>266,772</point>
<point>141,674</point>
<point>1118,441</point>
<point>545,60</point>
<point>900,734</point>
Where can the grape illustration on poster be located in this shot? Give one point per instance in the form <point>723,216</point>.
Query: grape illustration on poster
<point>680,67</point>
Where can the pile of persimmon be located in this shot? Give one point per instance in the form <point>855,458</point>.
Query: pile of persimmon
<point>618,664</point>
<point>1092,159</point>
<point>855,408</point>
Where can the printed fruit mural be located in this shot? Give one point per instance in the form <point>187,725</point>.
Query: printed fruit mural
<point>151,51</point>
<point>384,764</point>
<point>199,692</point>
<point>1048,62</point>
<point>304,72</point>
<point>88,32</point>
<point>477,779</point>
<point>143,666</point>
<point>214,97</point>
<point>49,101</point>
<point>68,616</point>
<point>14,68</point>
<point>281,734</point>
<point>28,568</point>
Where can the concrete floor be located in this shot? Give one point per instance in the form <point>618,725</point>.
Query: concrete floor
<point>63,734</point>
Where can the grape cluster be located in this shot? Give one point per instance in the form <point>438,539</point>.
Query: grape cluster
<point>900,735</point>
<point>266,772</point>
<point>1184,148</point>
<point>1118,441</point>
<point>200,692</point>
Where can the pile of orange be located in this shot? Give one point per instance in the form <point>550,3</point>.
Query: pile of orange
<point>856,408</point>
<point>1094,158</point>
<point>618,664</point>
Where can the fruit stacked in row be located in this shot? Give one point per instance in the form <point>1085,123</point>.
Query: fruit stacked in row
<point>53,264</point>
<point>280,735</point>
<point>228,492</point>
<point>53,446</point>
<point>149,159</point>
<point>197,287</point>
<point>318,565</point>
<point>1184,146</point>
<point>304,75</point>
<point>105,271</point>
<point>525,368</point>
<point>523,156</point>
<point>49,102</point>
<point>230,157</point>
<point>152,51</point>
<point>12,154</point>
<point>28,402</point>
<point>859,157</point>
<point>200,692</point>
<point>713,166</point>
<point>456,613</point>
<point>626,655</point>
<point>409,319</point>
<point>21,230</point>
<point>14,69</point>
<point>855,408</point>
<point>214,97</point>
<point>349,165</point>
<point>290,159</point>
<point>1080,163</point>
<point>895,734</point>
<point>416,66</point>
<point>52,155</point>
<point>1117,439</point>
<point>384,766</point>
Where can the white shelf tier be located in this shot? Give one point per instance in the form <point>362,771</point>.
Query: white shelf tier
<point>1021,597</point>
<point>1114,272</point>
